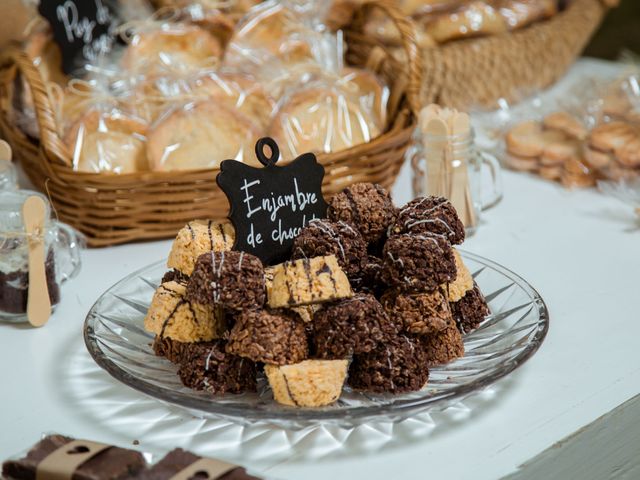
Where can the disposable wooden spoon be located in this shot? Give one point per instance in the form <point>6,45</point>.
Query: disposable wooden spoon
<point>38,302</point>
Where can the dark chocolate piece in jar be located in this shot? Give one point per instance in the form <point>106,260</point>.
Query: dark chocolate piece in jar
<point>430,216</point>
<point>323,237</point>
<point>177,460</point>
<point>111,464</point>
<point>418,263</point>
<point>366,206</point>
<point>233,280</point>
<point>14,285</point>
<point>206,366</point>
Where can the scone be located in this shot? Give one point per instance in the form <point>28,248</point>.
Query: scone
<point>181,48</point>
<point>321,120</point>
<point>102,142</point>
<point>201,135</point>
<point>171,315</point>
<point>311,383</point>
<point>196,238</point>
<point>307,281</point>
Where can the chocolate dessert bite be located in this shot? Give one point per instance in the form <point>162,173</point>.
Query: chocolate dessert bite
<point>277,337</point>
<point>430,216</point>
<point>111,464</point>
<point>198,237</point>
<point>366,206</point>
<point>442,347</point>
<point>323,237</point>
<point>418,313</point>
<point>174,275</point>
<point>308,281</point>
<point>168,348</point>
<point>172,315</point>
<point>370,279</point>
<point>355,325</point>
<point>207,366</point>
<point>418,263</point>
<point>233,280</point>
<point>395,366</point>
<point>177,460</point>
<point>463,282</point>
<point>470,310</point>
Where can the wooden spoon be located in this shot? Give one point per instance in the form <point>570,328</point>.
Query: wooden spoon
<point>38,302</point>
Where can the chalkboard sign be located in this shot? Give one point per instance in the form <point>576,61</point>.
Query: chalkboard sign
<point>84,29</point>
<point>270,205</point>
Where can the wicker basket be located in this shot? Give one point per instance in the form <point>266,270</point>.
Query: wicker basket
<point>477,72</point>
<point>114,209</point>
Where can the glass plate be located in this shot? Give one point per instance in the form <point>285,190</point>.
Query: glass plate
<point>116,339</point>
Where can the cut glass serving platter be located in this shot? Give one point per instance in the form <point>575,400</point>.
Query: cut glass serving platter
<point>115,337</point>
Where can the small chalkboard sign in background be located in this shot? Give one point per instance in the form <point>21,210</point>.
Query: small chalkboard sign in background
<point>84,29</point>
<point>270,205</point>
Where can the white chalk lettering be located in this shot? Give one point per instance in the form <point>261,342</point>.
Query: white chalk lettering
<point>254,239</point>
<point>248,198</point>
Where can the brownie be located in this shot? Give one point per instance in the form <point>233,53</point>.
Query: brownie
<point>172,350</point>
<point>418,313</point>
<point>177,460</point>
<point>442,347</point>
<point>470,310</point>
<point>355,325</point>
<point>110,464</point>
<point>233,280</point>
<point>418,263</point>
<point>430,216</point>
<point>323,237</point>
<point>174,275</point>
<point>14,285</point>
<point>207,366</point>
<point>269,336</point>
<point>366,206</point>
<point>396,366</point>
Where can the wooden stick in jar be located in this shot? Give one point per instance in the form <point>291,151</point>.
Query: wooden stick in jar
<point>38,302</point>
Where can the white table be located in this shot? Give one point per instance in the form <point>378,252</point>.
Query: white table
<point>580,249</point>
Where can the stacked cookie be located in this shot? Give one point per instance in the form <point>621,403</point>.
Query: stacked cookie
<point>372,291</point>
<point>561,148</point>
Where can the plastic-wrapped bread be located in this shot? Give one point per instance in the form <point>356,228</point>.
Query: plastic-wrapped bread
<point>172,47</point>
<point>322,119</point>
<point>200,135</point>
<point>107,142</point>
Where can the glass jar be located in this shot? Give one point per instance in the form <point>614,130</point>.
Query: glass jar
<point>62,245</point>
<point>8,178</point>
<point>452,166</point>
